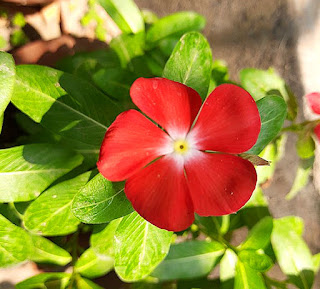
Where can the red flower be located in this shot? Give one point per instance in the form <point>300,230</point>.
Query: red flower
<point>172,173</point>
<point>314,103</point>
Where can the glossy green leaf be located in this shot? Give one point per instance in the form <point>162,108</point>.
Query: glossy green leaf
<point>66,105</point>
<point>83,283</point>
<point>189,260</point>
<point>247,278</point>
<point>256,260</point>
<point>305,146</point>
<point>139,247</point>
<point>174,25</point>
<point>302,177</point>
<point>259,236</point>
<point>293,254</point>
<point>125,13</point>
<point>50,214</point>
<point>102,237</point>
<point>228,269</point>
<point>93,265</point>
<point>191,62</point>
<point>15,244</point>
<point>101,201</point>
<point>128,47</point>
<point>46,251</point>
<point>260,83</point>
<point>273,111</point>
<point>7,77</point>
<point>26,171</point>
<point>44,280</point>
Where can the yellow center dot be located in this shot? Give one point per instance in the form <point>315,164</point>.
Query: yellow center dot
<point>181,147</point>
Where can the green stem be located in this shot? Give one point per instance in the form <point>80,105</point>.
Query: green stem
<point>273,282</point>
<point>74,254</point>
<point>300,126</point>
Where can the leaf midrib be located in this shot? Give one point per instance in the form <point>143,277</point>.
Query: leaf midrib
<point>62,104</point>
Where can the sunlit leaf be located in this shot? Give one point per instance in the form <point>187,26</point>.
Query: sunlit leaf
<point>26,171</point>
<point>139,247</point>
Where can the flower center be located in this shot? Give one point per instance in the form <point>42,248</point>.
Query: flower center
<point>181,147</point>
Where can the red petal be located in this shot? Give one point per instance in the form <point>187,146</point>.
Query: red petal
<point>219,184</point>
<point>171,104</point>
<point>229,121</point>
<point>131,142</point>
<point>314,101</point>
<point>317,131</point>
<point>159,193</point>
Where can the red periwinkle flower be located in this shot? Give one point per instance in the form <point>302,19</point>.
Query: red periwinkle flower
<point>187,165</point>
<point>314,103</point>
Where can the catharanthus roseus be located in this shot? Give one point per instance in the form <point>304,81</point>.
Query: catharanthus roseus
<point>314,103</point>
<point>190,165</point>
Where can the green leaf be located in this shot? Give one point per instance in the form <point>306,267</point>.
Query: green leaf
<point>48,252</point>
<point>26,171</point>
<point>256,260</point>
<point>273,153</point>
<point>302,177</point>
<point>293,254</point>
<point>125,13</point>
<point>214,226</point>
<point>115,82</point>
<point>50,214</point>
<point>65,105</point>
<point>99,258</point>
<point>292,223</point>
<point>247,278</point>
<point>189,260</point>
<point>15,244</point>
<point>93,265</point>
<point>259,236</point>
<point>101,201</point>
<point>128,47</point>
<point>219,74</point>
<point>85,64</point>
<point>102,237</point>
<point>55,280</point>
<point>139,247</point>
<point>7,77</point>
<point>83,283</point>
<point>191,62</point>
<point>260,83</point>
<point>273,111</point>
<point>228,269</point>
<point>174,25</point>
<point>305,146</point>
<point>149,17</point>
<point>316,262</point>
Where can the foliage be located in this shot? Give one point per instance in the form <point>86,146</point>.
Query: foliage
<point>51,188</point>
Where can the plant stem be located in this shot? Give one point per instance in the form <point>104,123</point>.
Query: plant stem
<point>299,126</point>
<point>74,254</point>
<point>273,282</point>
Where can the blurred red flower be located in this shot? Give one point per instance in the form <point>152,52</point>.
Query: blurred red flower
<point>189,166</point>
<point>314,103</point>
